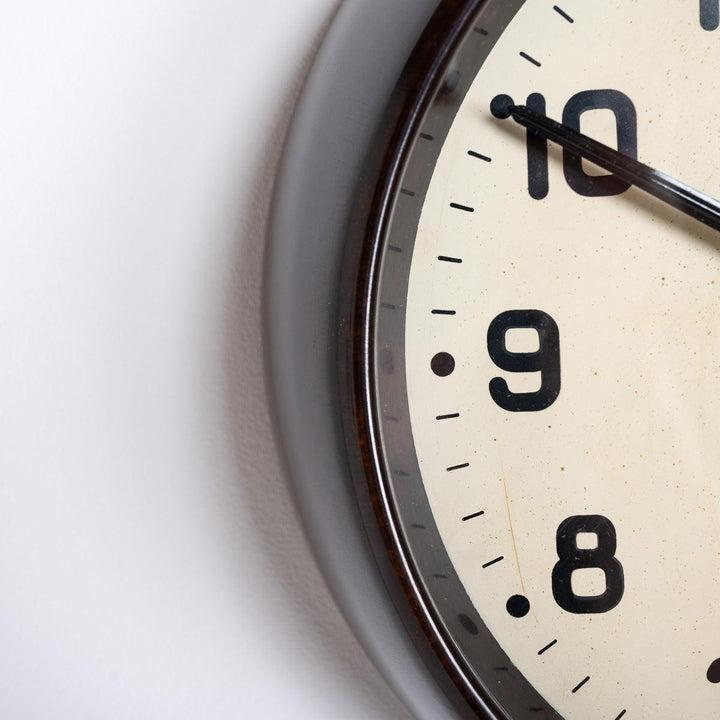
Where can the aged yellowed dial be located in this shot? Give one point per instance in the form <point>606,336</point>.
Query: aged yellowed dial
<point>545,361</point>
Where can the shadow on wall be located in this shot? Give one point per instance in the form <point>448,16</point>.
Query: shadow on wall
<point>266,498</point>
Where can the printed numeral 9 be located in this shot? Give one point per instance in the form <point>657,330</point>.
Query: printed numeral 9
<point>546,360</point>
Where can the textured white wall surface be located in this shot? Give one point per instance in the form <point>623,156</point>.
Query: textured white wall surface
<point>151,561</point>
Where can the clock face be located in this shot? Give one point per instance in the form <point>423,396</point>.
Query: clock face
<point>544,371</point>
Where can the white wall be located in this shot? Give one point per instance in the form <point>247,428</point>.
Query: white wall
<point>151,563</point>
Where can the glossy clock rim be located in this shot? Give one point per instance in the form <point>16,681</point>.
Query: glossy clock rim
<point>454,58</point>
<point>323,158</point>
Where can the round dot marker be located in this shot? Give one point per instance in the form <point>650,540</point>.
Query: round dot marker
<point>499,106</point>
<point>713,673</point>
<point>442,364</point>
<point>518,606</point>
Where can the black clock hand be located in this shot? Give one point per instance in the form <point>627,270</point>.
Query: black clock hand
<point>690,201</point>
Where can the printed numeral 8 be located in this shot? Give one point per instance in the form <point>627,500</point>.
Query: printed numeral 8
<point>574,558</point>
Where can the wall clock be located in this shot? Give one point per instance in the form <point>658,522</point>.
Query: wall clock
<point>493,326</point>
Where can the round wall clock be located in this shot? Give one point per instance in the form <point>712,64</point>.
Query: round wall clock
<point>494,334</point>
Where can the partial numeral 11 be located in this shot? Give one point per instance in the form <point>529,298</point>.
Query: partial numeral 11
<point>710,14</point>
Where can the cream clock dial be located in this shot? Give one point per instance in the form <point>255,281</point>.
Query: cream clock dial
<point>562,359</point>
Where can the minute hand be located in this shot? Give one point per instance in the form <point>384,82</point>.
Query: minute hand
<point>690,201</point>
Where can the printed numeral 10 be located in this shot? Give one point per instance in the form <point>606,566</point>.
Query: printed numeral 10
<point>583,184</point>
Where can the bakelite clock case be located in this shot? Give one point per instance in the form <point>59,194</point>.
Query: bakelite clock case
<point>382,135</point>
<point>341,135</point>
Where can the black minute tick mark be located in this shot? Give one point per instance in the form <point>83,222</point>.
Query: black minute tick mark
<point>492,562</point>
<point>562,13</point>
<point>530,59</point>
<point>466,208</point>
<point>449,416</point>
<point>477,155</point>
<point>620,715</point>
<point>580,684</point>
<point>445,258</point>
<point>547,647</point>
<point>452,468</point>
<point>474,515</point>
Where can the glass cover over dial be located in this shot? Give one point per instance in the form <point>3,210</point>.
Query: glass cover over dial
<point>544,371</point>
